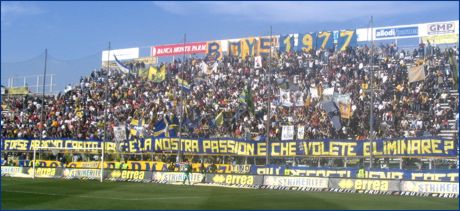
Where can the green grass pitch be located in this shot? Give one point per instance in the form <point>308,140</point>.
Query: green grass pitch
<point>23,193</point>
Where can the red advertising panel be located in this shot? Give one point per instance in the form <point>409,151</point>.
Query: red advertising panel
<point>178,49</point>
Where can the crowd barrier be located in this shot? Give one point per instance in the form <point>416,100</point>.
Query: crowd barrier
<point>444,175</point>
<point>364,185</point>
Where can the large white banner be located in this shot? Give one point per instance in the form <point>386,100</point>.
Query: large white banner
<point>304,182</point>
<point>287,133</point>
<point>122,54</point>
<point>438,28</point>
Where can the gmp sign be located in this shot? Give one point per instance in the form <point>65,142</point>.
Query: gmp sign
<point>441,28</point>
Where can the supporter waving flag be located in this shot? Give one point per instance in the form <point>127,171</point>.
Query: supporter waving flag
<point>156,75</point>
<point>151,73</point>
<point>249,100</point>
<point>242,98</point>
<point>165,127</point>
<point>246,99</point>
<point>183,84</point>
<point>123,68</point>
<point>220,119</point>
<point>161,75</point>
<point>137,128</point>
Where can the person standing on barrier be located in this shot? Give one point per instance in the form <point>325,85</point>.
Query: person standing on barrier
<point>187,172</point>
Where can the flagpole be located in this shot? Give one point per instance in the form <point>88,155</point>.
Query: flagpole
<point>182,102</point>
<point>371,118</point>
<point>267,157</point>
<point>43,99</point>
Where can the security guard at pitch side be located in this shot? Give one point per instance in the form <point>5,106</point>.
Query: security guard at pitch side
<point>124,166</point>
<point>117,165</point>
<point>361,172</point>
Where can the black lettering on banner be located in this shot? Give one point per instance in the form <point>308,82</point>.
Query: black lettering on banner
<point>234,179</point>
<point>70,173</point>
<point>129,175</point>
<point>364,184</point>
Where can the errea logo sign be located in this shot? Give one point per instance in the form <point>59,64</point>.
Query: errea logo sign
<point>441,28</point>
<point>381,33</point>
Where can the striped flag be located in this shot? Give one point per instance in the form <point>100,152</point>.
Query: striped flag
<point>220,118</point>
<point>123,68</point>
<point>183,84</point>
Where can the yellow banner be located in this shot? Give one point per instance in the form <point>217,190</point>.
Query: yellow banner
<point>441,39</point>
<point>18,91</point>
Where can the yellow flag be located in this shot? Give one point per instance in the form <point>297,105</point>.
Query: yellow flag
<point>162,74</point>
<point>308,101</point>
<point>79,112</point>
<point>157,76</point>
<point>136,127</point>
<point>152,72</point>
<point>220,119</point>
<point>345,110</point>
<point>144,73</point>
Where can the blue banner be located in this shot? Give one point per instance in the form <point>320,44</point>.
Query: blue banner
<point>418,175</point>
<point>396,32</point>
<point>324,40</point>
<point>307,42</point>
<point>286,43</point>
<point>346,39</point>
<point>403,147</point>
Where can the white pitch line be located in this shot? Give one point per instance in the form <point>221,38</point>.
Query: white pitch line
<point>123,199</point>
<point>98,197</point>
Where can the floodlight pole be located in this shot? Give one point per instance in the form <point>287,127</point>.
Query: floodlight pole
<point>105,114</point>
<point>179,158</point>
<point>43,99</point>
<point>267,139</point>
<point>371,118</point>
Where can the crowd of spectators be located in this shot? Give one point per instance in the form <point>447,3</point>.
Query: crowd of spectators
<point>108,98</point>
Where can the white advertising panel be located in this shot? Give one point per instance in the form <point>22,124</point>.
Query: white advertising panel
<point>430,187</point>
<point>308,182</point>
<point>121,54</point>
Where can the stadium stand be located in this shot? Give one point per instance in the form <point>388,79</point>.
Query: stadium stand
<point>402,109</point>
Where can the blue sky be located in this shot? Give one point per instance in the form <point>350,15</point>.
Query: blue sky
<point>74,30</point>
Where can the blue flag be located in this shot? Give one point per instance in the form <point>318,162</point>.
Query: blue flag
<point>165,127</point>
